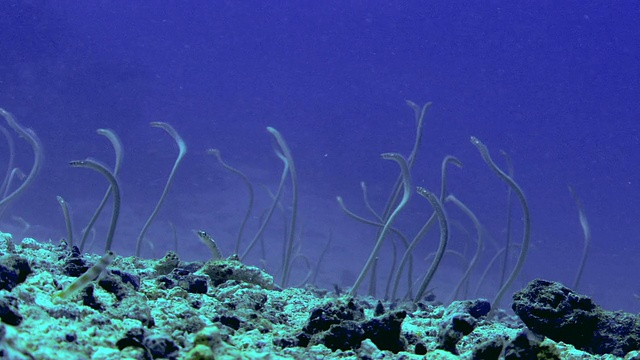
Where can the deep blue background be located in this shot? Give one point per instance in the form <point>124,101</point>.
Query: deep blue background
<point>555,84</point>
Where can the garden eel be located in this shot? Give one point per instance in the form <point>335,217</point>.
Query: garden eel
<point>269,213</point>
<point>245,179</point>
<point>67,219</point>
<point>406,180</point>
<point>476,256</point>
<point>526,235</point>
<point>95,165</point>
<point>587,237</point>
<point>182,146</point>
<point>444,239</point>
<point>216,254</point>
<point>118,149</point>
<point>288,256</point>
<point>38,153</point>
<point>409,251</point>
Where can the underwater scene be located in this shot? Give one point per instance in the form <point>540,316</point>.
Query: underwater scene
<point>319,180</point>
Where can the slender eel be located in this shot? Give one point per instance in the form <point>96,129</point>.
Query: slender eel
<point>526,235</point>
<point>182,146</point>
<point>479,245</point>
<point>505,259</point>
<point>359,218</point>
<point>444,239</point>
<point>95,165</point>
<point>427,225</point>
<point>406,176</point>
<point>33,140</point>
<point>420,113</point>
<point>288,256</point>
<point>117,147</point>
<point>67,219</point>
<point>12,155</point>
<point>587,237</point>
<point>216,254</point>
<point>269,213</point>
<point>247,183</point>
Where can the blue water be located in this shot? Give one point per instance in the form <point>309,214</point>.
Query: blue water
<point>554,84</point>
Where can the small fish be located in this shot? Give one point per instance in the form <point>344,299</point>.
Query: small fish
<point>90,275</point>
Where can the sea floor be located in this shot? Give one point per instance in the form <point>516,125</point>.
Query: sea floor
<point>222,309</point>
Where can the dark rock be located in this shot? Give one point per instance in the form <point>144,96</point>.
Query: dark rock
<point>127,278</point>
<point>13,271</point>
<point>344,336</point>
<point>196,304</point>
<point>89,299</point>
<point>344,326</point>
<point>476,308</point>
<point>321,319</point>
<point>258,301</point>
<point>452,329</point>
<point>74,264</point>
<point>460,318</point>
<point>379,310</point>
<point>113,284</point>
<point>527,345</point>
<point>230,321</point>
<point>119,283</point>
<point>553,310</point>
<point>195,284</point>
<point>386,331</point>
<point>488,350</point>
<point>8,278</point>
<point>134,343</point>
<point>70,337</point>
<point>161,346</point>
<point>137,333</point>
<point>9,313</point>
<point>303,339</point>
<point>165,282</point>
